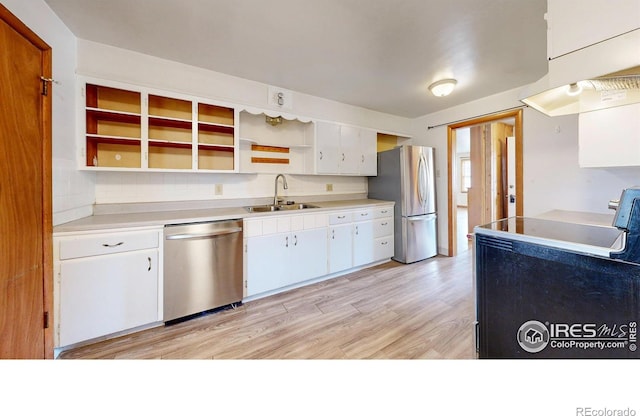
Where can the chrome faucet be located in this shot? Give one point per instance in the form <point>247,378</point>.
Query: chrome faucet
<point>284,186</point>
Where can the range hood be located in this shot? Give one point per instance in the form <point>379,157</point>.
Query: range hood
<point>603,75</point>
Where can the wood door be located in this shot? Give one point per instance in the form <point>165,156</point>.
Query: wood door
<point>25,192</point>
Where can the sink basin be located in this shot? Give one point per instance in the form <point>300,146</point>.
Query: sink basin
<point>283,207</point>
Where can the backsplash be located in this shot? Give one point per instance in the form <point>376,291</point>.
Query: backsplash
<point>132,187</point>
<point>73,191</point>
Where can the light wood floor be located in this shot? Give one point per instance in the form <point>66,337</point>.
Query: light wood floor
<point>391,311</point>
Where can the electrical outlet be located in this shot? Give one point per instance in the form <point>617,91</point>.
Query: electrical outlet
<point>329,187</point>
<point>218,189</point>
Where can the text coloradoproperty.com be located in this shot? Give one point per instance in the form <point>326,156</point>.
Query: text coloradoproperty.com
<point>589,411</point>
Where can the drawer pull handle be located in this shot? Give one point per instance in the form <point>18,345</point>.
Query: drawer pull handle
<point>113,245</point>
<point>384,223</point>
<point>364,214</point>
<point>384,212</point>
<point>341,217</point>
<point>384,243</point>
<point>149,269</point>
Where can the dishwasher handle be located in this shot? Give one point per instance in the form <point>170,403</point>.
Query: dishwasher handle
<point>193,236</point>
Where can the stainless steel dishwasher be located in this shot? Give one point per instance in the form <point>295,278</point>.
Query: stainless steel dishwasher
<point>202,267</point>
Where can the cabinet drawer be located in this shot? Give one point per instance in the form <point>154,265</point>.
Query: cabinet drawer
<point>383,212</point>
<point>383,248</point>
<point>364,215</point>
<point>96,245</point>
<point>383,227</point>
<point>340,218</point>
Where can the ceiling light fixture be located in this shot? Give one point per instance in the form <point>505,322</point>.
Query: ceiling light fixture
<point>443,87</point>
<point>574,89</point>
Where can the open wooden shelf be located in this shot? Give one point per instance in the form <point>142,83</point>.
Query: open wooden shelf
<point>171,133</point>
<point>214,114</point>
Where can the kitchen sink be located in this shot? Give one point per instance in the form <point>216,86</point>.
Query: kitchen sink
<point>282,207</point>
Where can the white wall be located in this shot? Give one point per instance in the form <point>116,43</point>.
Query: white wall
<point>107,62</point>
<point>552,177</point>
<point>73,191</point>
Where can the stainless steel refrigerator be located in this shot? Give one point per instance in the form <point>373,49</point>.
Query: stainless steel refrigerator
<point>406,176</point>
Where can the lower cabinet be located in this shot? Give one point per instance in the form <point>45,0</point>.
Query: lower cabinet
<point>340,248</point>
<point>285,249</point>
<point>363,243</point>
<point>106,283</point>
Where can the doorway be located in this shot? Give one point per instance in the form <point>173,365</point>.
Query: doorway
<point>490,195</point>
<point>26,269</point>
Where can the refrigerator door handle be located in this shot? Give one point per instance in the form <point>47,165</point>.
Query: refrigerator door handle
<point>422,180</point>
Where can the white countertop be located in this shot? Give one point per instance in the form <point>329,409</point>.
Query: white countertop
<point>161,218</point>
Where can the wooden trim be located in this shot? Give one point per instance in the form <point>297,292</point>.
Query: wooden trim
<point>47,206</point>
<point>47,203</point>
<point>519,164</point>
<point>263,148</point>
<point>451,145</point>
<point>269,160</point>
<point>453,226</point>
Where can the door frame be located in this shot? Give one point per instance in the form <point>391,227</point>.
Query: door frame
<point>46,158</point>
<point>451,155</point>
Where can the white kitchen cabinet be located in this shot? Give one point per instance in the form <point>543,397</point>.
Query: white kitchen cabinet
<point>283,250</point>
<point>345,150</point>
<point>307,255</point>
<point>327,148</point>
<point>363,237</point>
<point>575,24</point>
<point>368,152</point>
<point>609,137</point>
<point>106,283</point>
<point>266,263</point>
<point>340,241</point>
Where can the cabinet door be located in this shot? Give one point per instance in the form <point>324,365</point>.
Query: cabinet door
<point>368,153</point>
<point>266,262</point>
<point>349,158</point>
<point>340,248</point>
<point>609,137</point>
<point>307,255</point>
<point>575,24</point>
<point>363,243</point>
<point>107,294</point>
<point>327,148</point>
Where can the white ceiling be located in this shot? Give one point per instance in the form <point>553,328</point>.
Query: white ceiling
<point>377,54</point>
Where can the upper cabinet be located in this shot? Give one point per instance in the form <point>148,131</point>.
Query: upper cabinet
<point>124,127</point>
<point>609,137</point>
<point>594,57</point>
<point>576,24</point>
<point>345,150</point>
<point>275,143</point>
<point>113,127</point>
<point>129,128</point>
